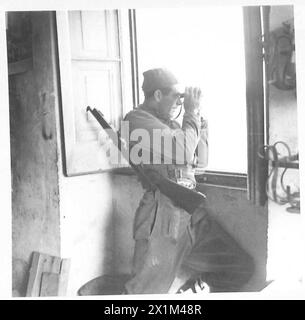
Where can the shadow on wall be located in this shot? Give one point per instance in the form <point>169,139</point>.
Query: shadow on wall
<point>127,193</point>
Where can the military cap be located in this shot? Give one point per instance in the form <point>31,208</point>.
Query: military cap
<point>158,79</point>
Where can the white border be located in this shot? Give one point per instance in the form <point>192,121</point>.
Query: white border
<point>5,175</point>
<point>5,171</point>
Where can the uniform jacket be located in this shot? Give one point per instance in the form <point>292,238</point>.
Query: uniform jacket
<point>156,213</point>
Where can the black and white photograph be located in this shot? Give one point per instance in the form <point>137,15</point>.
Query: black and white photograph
<point>152,150</point>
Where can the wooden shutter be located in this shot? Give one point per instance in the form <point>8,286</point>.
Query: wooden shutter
<point>94,61</point>
<point>257,167</point>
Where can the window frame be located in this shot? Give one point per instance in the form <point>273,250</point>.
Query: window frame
<point>253,182</point>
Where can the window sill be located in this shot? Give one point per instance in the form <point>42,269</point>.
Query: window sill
<point>125,171</point>
<point>219,179</point>
<point>224,179</point>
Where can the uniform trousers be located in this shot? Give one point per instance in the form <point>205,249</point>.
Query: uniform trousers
<point>168,241</point>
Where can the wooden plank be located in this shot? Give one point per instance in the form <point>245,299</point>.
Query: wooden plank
<point>257,167</point>
<point>49,284</point>
<point>41,263</point>
<point>64,277</point>
<point>55,265</point>
<point>33,286</point>
<point>48,276</point>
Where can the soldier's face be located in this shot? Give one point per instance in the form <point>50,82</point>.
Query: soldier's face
<point>170,104</point>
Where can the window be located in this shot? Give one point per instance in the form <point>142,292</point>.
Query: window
<point>205,47</point>
<point>220,50</point>
<point>102,55</point>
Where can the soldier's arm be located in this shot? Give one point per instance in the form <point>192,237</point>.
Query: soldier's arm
<point>179,144</point>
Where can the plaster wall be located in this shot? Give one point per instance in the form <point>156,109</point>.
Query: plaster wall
<point>284,230</point>
<point>35,198</point>
<point>5,172</point>
<point>86,227</point>
<point>96,225</point>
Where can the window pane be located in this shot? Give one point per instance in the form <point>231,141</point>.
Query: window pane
<point>203,47</point>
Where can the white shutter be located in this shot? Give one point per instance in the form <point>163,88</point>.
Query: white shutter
<point>93,59</point>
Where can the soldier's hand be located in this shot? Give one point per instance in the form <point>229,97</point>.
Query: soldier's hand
<point>192,99</point>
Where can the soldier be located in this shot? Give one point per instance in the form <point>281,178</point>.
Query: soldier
<point>166,236</point>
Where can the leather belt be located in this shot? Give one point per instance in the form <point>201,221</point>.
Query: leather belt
<point>178,175</point>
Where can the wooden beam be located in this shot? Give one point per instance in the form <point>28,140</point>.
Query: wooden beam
<point>42,280</point>
<point>34,278</point>
<point>64,277</point>
<point>257,167</point>
<point>49,284</point>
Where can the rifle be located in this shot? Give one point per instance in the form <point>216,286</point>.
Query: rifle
<point>185,198</point>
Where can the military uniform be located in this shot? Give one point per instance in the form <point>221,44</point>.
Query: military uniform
<point>166,237</point>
